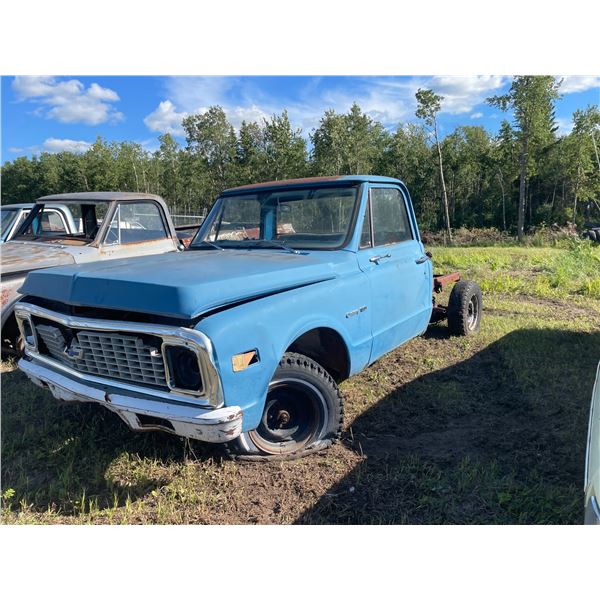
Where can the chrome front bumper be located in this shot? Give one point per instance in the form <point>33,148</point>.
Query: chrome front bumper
<point>143,414</point>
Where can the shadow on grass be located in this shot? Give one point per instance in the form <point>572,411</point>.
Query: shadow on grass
<point>497,438</point>
<point>57,456</point>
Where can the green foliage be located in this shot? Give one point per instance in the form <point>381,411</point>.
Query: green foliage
<point>531,99</point>
<point>348,144</point>
<point>428,106</point>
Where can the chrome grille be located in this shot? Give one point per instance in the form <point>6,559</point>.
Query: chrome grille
<point>107,354</point>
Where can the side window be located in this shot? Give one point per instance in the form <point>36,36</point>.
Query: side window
<point>136,222</point>
<point>365,235</point>
<point>390,219</point>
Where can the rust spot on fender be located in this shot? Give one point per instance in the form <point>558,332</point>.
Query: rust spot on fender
<point>4,297</point>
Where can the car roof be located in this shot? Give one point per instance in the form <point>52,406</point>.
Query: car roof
<point>99,197</point>
<point>311,181</point>
<point>17,206</point>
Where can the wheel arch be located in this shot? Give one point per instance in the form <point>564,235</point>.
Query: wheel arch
<point>327,347</point>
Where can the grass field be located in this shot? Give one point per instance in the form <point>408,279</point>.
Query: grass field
<point>487,429</point>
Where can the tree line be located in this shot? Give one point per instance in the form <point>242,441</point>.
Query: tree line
<point>525,175</point>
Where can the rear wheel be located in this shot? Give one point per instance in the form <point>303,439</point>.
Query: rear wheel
<point>464,308</point>
<point>303,413</point>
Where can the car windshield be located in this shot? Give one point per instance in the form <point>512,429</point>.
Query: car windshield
<point>315,218</point>
<point>7,218</point>
<point>71,223</point>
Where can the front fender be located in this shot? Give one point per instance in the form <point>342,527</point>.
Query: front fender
<point>271,324</point>
<point>9,295</point>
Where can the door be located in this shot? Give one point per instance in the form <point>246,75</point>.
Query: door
<point>398,270</point>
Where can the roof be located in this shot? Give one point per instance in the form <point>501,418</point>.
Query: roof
<point>99,197</point>
<point>310,181</point>
<point>17,206</point>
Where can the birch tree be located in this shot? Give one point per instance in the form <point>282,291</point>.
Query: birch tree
<point>428,106</point>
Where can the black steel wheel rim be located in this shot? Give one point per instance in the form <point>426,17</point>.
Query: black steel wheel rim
<point>293,417</point>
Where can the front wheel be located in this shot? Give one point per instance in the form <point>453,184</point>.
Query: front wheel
<point>464,308</point>
<point>303,413</point>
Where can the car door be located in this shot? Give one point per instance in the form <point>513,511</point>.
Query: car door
<point>398,270</point>
<point>136,229</point>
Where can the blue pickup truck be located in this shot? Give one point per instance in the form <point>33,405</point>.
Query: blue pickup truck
<point>288,288</point>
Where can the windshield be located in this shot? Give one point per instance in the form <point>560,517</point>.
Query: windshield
<point>7,218</point>
<point>71,223</point>
<point>314,218</point>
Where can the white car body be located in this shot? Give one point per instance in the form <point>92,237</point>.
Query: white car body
<point>592,459</point>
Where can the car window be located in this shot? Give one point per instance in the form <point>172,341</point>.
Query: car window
<point>8,217</point>
<point>365,235</point>
<point>136,222</point>
<point>239,220</point>
<point>390,219</point>
<point>52,221</point>
<point>318,218</point>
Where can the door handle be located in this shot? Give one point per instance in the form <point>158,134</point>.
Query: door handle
<point>376,259</point>
<point>422,259</point>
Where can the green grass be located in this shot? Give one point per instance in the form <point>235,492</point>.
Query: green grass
<point>571,272</point>
<point>485,429</point>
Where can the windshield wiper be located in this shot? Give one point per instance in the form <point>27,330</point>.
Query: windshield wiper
<point>208,244</point>
<point>273,244</point>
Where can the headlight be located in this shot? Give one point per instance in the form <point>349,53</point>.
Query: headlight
<point>183,369</point>
<point>27,330</point>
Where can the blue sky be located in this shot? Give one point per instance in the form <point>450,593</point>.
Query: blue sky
<point>67,113</point>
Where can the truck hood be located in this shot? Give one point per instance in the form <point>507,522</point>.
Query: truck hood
<point>182,285</point>
<point>21,257</point>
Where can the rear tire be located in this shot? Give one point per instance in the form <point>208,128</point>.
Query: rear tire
<point>464,308</point>
<point>303,413</point>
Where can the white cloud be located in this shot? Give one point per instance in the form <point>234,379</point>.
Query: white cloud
<point>565,125</point>
<point>68,101</point>
<point>477,115</point>
<point>165,119</point>
<point>389,100</point>
<point>237,114</point>
<point>577,83</point>
<point>100,93</point>
<point>462,94</point>
<point>54,145</point>
<point>187,95</point>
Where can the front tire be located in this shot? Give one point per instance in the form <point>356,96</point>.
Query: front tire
<point>464,308</point>
<point>303,413</point>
